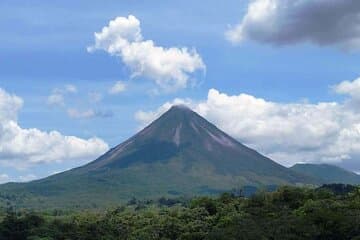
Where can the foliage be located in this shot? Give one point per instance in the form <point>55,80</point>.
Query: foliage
<point>288,213</point>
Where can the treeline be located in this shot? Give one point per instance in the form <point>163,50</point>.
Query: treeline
<point>330,212</point>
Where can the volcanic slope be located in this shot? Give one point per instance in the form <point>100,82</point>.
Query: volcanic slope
<point>179,154</point>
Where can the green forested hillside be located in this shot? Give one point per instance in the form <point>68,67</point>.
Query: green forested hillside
<point>330,213</point>
<point>327,173</point>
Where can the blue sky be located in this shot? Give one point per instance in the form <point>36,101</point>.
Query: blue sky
<point>43,48</point>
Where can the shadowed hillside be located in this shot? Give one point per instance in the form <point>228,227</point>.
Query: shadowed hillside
<point>327,173</point>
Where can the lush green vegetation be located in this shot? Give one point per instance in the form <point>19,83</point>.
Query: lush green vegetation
<point>330,212</point>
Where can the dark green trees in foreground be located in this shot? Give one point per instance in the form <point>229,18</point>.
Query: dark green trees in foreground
<point>289,213</point>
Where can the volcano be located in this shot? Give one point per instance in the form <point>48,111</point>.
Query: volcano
<point>179,154</point>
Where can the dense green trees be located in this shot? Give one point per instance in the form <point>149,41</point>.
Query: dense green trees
<point>330,212</point>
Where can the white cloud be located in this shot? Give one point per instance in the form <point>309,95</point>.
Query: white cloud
<point>56,99</point>
<point>27,178</point>
<point>145,117</point>
<point>169,68</point>
<point>9,106</point>
<point>70,88</point>
<point>4,178</point>
<point>21,148</point>
<point>288,132</point>
<point>90,113</point>
<point>117,88</point>
<point>57,96</point>
<point>351,88</point>
<point>283,22</point>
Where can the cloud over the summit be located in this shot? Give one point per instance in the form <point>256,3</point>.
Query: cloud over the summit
<point>170,68</point>
<point>283,22</point>
<point>21,148</point>
<point>327,132</point>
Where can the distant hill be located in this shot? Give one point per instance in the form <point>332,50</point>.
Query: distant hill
<point>327,173</point>
<point>179,154</point>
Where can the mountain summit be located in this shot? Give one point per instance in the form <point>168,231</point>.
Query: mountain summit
<point>180,153</point>
<point>183,136</point>
<point>177,132</point>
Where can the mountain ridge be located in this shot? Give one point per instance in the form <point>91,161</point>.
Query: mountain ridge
<point>327,173</point>
<point>185,129</point>
<point>180,153</point>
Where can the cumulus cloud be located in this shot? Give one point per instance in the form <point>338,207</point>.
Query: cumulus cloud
<point>283,22</point>
<point>117,88</point>
<point>90,113</point>
<point>327,132</point>
<point>351,88</point>
<point>21,148</point>
<point>170,68</point>
<point>9,106</point>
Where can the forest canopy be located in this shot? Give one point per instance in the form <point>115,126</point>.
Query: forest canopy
<point>329,212</point>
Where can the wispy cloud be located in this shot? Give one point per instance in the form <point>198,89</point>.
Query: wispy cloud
<point>57,96</point>
<point>117,88</point>
<point>89,113</point>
